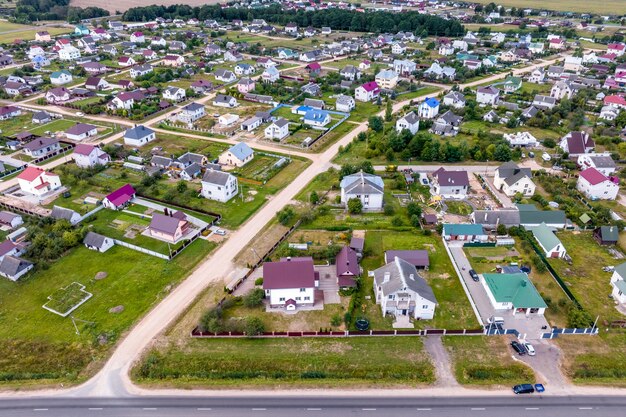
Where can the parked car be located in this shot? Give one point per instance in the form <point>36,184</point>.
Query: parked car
<point>474,275</point>
<point>518,347</point>
<point>220,232</point>
<point>546,157</point>
<point>530,349</point>
<point>523,389</point>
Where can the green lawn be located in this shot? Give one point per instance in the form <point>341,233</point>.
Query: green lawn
<point>459,207</point>
<point>60,125</point>
<point>297,362</point>
<point>610,7</point>
<point>29,34</point>
<point>486,361</point>
<point>39,346</point>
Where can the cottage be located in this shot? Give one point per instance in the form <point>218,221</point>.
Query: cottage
<point>173,61</point>
<point>69,53</point>
<point>140,70</point>
<point>367,92</point>
<point>465,232</point>
<point>618,284</point>
<point>139,136</point>
<point>450,184</point>
<point>41,147</point>
<point>290,283</point>
<point>9,112</point>
<point>97,84</point>
<point>174,93</point>
<point>347,267</point>
<point>410,122</point>
<point>366,187</point>
<point>549,243</point>
<point>605,235</point>
<point>219,186</point>
<point>81,131</point>
<point>169,227</point>
<point>511,180</point>
<point>561,90</point>
<point>89,156</point>
<point>246,85</point>
<point>58,95</point>
<point>228,119</point>
<point>10,220</point>
<point>126,61</point>
<point>36,181</point>
<point>222,100</point>
<point>270,75</point>
<point>530,217</point>
<point>417,258</point>
<point>387,79</point>
<point>401,291</point>
<point>601,162</point>
<point>491,219</point>
<point>316,118</point>
<point>596,186</point>
<point>487,95</point>
<point>62,213</point>
<point>429,108</point>
<point>94,241</point>
<point>191,112</point>
<point>277,130</point>
<point>61,77</point>
<point>201,86</point>
<point>404,67</point>
<point>447,124</point>
<point>119,198</point>
<point>514,292</point>
<point>454,99</point>
<point>237,155</point>
<point>14,268</point>
<point>577,143</point>
<point>251,124</point>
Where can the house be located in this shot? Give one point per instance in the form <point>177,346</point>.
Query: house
<point>139,136</point>
<point>42,36</point>
<point>251,123</point>
<point>10,220</point>
<point>14,268</point>
<point>350,72</point>
<point>140,70</point>
<point>232,56</point>
<point>191,112</point>
<point>89,156</point>
<point>316,118</point>
<point>270,75</point>
<point>491,219</point>
<point>41,147</point>
<point>97,84</point>
<point>524,139</point>
<point>286,53</point>
<point>605,235</point>
<point>447,124</point>
<point>290,283</point>
<point>278,129</point>
<point>174,93</point>
<point>429,108</point>
<point>201,86</point>
<point>601,162</point>
<point>222,100</point>
<point>58,95</point>
<point>365,65</point>
<point>81,131</point>
<point>549,243</point>
<point>60,77</point>
<point>10,248</point>
<point>530,217</point>
<point>62,213</point>
<point>446,49</point>
<point>537,76</point>
<point>366,187</point>
<point>417,258</point>
<point>36,181</point>
<point>401,291</point>
<point>410,122</point>
<point>246,85</point>
<point>404,67</point>
<point>510,84</point>
<point>511,180</point>
<point>237,155</point>
<point>170,227</point>
<point>291,28</point>
<point>224,76</point>
<point>618,284</point>
<point>465,232</point>
<point>544,102</point>
<point>347,267</point>
<point>41,117</point>
<point>387,79</point>
<point>561,90</point>
<point>228,119</point>
<point>450,184</point>
<point>345,103</point>
<point>577,143</point>
<point>244,69</point>
<point>367,92</point>
<point>9,112</point>
<point>94,241</point>
<point>119,198</point>
<point>314,68</point>
<point>596,186</point>
<point>487,95</point>
<point>69,53</point>
<point>219,186</point>
<point>173,60</point>
<point>557,43</point>
<point>312,89</point>
<point>126,61</point>
<point>454,99</point>
<point>617,48</point>
<point>436,71</point>
<point>573,64</point>
<point>514,292</point>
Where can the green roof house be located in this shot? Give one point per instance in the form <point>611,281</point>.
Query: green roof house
<point>464,232</point>
<point>530,216</point>
<point>513,292</point>
<point>618,284</point>
<point>510,84</point>
<point>551,245</point>
<point>606,235</point>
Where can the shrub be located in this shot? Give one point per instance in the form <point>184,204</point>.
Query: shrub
<point>335,320</point>
<point>355,206</point>
<point>389,210</point>
<point>254,298</point>
<point>254,326</point>
<point>258,281</point>
<point>397,221</point>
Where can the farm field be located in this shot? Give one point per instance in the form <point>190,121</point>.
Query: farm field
<point>29,34</point>
<point>615,7</point>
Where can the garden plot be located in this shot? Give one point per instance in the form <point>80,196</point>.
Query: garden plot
<point>67,299</point>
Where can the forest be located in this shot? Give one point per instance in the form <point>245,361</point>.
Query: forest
<point>27,11</point>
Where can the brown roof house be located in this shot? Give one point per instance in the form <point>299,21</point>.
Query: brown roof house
<point>170,227</point>
<point>417,258</point>
<point>290,283</point>
<point>348,269</point>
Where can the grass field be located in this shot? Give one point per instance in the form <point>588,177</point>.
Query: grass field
<point>59,125</point>
<point>297,362</point>
<point>485,360</point>
<point>39,346</point>
<point>616,7</point>
<point>29,34</point>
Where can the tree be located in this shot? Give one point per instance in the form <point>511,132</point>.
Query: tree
<point>181,186</point>
<point>285,215</point>
<point>355,206</point>
<point>502,153</point>
<point>254,326</point>
<point>376,123</point>
<point>314,198</point>
<point>254,298</point>
<point>501,229</point>
<point>415,221</point>
<point>414,209</point>
<point>578,318</point>
<point>388,111</point>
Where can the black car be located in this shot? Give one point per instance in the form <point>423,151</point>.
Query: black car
<point>474,275</point>
<point>523,389</point>
<point>518,347</point>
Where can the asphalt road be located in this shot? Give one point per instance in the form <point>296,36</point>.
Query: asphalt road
<point>531,405</point>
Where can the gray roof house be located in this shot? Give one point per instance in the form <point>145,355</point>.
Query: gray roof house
<point>97,242</point>
<point>366,187</point>
<point>490,219</point>
<point>13,268</point>
<point>62,213</point>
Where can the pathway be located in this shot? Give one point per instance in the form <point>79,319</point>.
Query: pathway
<point>441,361</point>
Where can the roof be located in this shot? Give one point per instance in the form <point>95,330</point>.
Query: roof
<point>602,161</point>
<point>402,275</point>
<point>465,229</point>
<point>241,151</point>
<point>80,129</point>
<point>357,243</point>
<point>532,216</point>
<point>94,239</point>
<point>593,176</point>
<point>370,86</point>
<point>122,195</point>
<point>362,183</point>
<point>514,288</point>
<point>138,132</point>
<point>488,90</point>
<point>212,176</point>
<point>31,173</point>
<point>414,257</point>
<point>164,224</point>
<point>294,273</point>
<point>411,118</point>
<point>431,102</point>
<point>7,216</point>
<point>6,247</point>
<point>493,217</point>
<point>84,149</point>
<point>40,143</point>
<point>451,178</point>
<point>193,107</point>
<point>577,142</point>
<point>12,265</point>
<point>607,233</point>
<point>347,263</point>
<point>546,237</point>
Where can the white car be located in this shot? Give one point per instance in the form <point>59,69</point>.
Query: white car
<point>530,349</point>
<point>546,157</point>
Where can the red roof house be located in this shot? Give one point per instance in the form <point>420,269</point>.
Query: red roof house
<point>119,198</point>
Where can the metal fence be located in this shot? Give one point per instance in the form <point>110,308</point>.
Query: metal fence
<point>575,331</point>
<point>347,333</point>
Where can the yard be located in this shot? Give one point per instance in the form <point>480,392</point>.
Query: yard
<point>41,347</point>
<point>29,34</point>
<point>59,125</point>
<point>297,362</point>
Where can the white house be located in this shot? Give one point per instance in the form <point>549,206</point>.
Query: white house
<point>97,242</point>
<point>237,155</point>
<point>387,79</point>
<point>316,118</point>
<point>511,179</point>
<point>290,283</point>
<point>487,95</point>
<point>60,77</point>
<point>228,119</point>
<point>191,112</point>
<point>514,292</point>
<point>366,187</point>
<point>224,76</point>
<point>222,100</point>
<point>277,130</point>
<point>81,131</point>
<point>36,181</point>
<point>618,283</point>
<point>525,139</point>
<point>429,108</point>
<point>561,90</point>
<point>345,103</point>
<point>602,162</point>
<point>596,186</point>
<point>251,123</point>
<point>367,92</point>
<point>88,156</point>
<point>410,122</point>
<point>69,53</point>
<point>401,291</point>
<point>139,136</point>
<point>450,184</point>
<point>550,244</point>
<point>219,186</point>
<point>454,99</point>
<point>577,143</point>
<point>174,93</point>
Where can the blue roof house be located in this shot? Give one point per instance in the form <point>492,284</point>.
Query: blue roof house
<point>237,155</point>
<point>429,108</point>
<point>464,232</point>
<point>317,118</point>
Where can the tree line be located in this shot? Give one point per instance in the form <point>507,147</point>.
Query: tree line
<point>336,19</point>
<point>27,11</point>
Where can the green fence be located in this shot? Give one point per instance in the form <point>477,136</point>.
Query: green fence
<point>479,245</point>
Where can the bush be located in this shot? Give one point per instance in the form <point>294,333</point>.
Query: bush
<point>254,298</point>
<point>397,221</point>
<point>355,206</point>
<point>335,320</point>
<point>258,281</point>
<point>254,326</point>
<point>389,210</point>
<point>578,318</point>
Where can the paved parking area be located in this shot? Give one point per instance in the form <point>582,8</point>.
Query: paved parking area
<point>328,284</point>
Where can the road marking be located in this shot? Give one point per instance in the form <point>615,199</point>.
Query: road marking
<point>424,409</point>
<point>205,409</point>
<point>585,408</point>
<point>532,408</point>
<point>314,409</point>
<point>149,409</point>
<point>368,409</point>
<point>477,409</point>
<point>95,409</point>
<point>259,409</point>
<point>40,409</point>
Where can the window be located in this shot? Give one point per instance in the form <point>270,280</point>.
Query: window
<point>298,298</point>
<point>425,307</point>
<point>307,298</point>
<point>391,296</point>
<point>302,289</point>
<point>281,299</point>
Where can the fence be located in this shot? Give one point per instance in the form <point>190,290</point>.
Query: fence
<point>91,213</point>
<point>348,333</point>
<point>556,332</point>
<point>12,171</point>
<point>54,154</point>
<point>217,216</point>
<point>479,245</point>
<point>140,249</point>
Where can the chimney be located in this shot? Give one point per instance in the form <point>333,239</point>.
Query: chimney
<point>288,258</point>
<point>387,277</point>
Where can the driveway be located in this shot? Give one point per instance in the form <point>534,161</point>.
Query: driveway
<point>328,284</point>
